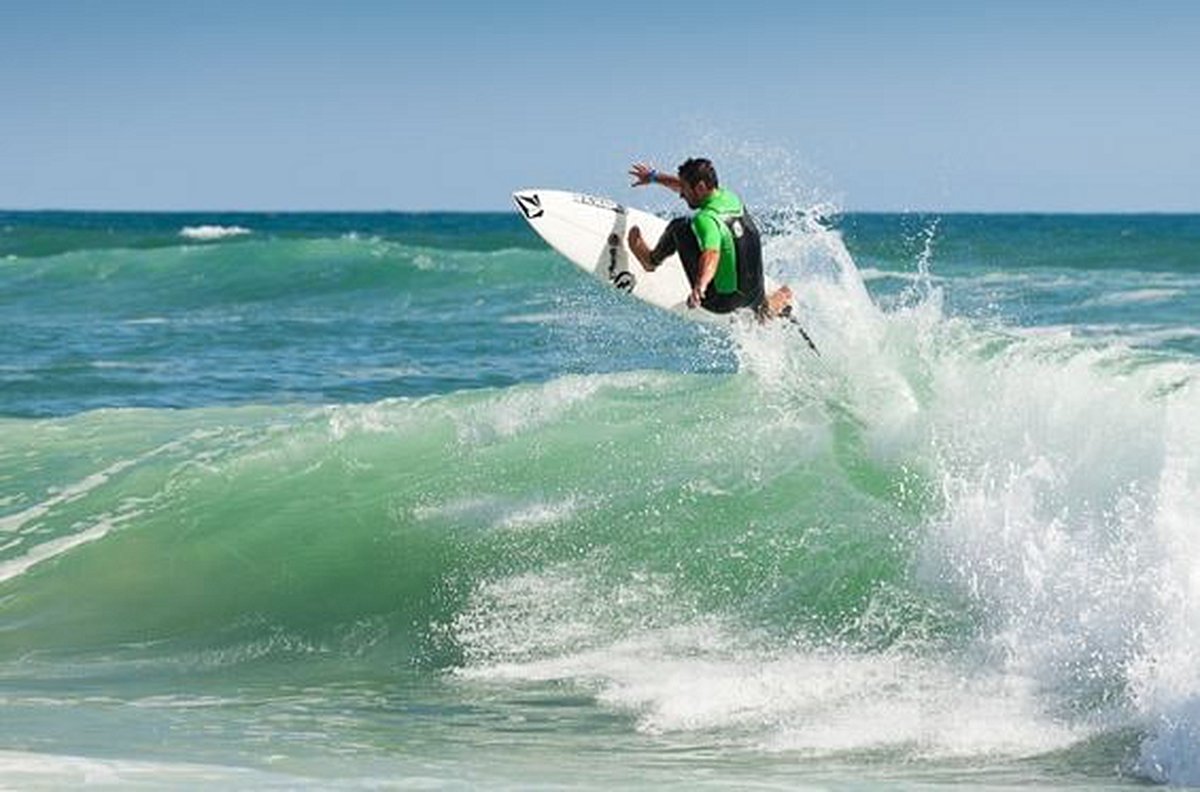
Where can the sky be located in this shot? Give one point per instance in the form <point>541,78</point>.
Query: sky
<point>900,105</point>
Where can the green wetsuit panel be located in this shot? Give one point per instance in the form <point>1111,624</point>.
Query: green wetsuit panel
<point>713,234</point>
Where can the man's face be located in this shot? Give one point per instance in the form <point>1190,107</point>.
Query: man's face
<point>693,194</point>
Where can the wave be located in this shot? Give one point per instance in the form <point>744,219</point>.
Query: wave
<point>32,770</point>
<point>1135,297</point>
<point>152,282</point>
<point>858,552</point>
<point>209,233</point>
<point>937,539</point>
<point>25,235</point>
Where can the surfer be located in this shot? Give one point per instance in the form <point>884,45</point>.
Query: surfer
<point>719,245</point>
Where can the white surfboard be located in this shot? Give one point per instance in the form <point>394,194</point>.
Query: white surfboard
<point>591,233</point>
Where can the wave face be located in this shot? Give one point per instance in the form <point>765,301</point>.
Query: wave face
<point>947,542</point>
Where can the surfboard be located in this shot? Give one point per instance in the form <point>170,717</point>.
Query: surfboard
<point>591,231</point>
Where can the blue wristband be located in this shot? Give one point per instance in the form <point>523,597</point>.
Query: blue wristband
<point>653,177</point>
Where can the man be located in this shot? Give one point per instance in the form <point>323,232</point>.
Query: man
<point>719,247</point>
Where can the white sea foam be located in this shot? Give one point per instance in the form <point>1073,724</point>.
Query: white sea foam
<point>526,624</point>
<point>538,514</point>
<point>1069,481</point>
<point>702,677</point>
<point>45,551</point>
<point>484,416</point>
<point>546,318</point>
<point>379,372</point>
<point>28,770</point>
<point>25,524</point>
<point>209,233</point>
<point>1134,297</point>
<point>1164,676</point>
<point>501,512</point>
<point>15,522</point>
<point>124,365</point>
<point>873,274</point>
<point>1110,334</point>
<point>1154,336</point>
<point>522,409</point>
<point>78,489</point>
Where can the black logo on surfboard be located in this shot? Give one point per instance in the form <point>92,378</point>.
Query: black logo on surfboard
<point>622,279</point>
<point>530,205</point>
<point>625,281</point>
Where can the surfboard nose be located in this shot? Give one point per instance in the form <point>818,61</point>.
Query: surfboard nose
<point>530,203</point>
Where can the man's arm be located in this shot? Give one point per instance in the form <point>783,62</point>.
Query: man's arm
<point>709,259</point>
<point>708,234</point>
<point>642,173</point>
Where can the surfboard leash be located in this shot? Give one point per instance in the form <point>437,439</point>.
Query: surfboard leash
<point>790,315</point>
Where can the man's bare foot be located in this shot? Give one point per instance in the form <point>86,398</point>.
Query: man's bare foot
<point>640,250</point>
<point>777,302</point>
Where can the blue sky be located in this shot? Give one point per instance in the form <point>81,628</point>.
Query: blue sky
<point>897,106</point>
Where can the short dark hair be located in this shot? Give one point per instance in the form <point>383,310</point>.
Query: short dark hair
<point>696,170</point>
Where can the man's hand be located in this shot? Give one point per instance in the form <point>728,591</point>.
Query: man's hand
<point>695,297</point>
<point>644,174</point>
<point>641,174</point>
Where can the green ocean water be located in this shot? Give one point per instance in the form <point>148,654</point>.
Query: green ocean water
<point>404,500</point>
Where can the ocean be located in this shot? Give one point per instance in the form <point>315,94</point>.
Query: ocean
<point>406,501</point>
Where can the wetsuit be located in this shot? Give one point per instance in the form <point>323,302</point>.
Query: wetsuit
<point>721,223</point>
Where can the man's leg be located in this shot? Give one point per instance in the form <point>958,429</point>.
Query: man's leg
<point>676,238</point>
<point>679,238</point>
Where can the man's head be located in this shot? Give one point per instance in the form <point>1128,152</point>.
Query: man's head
<point>698,178</point>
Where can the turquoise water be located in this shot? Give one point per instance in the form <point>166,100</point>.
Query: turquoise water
<point>359,500</point>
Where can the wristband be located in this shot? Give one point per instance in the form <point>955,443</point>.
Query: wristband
<point>653,177</point>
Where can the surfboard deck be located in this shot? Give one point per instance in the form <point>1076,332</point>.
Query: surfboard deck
<point>590,231</point>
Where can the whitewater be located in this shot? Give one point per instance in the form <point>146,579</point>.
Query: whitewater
<point>404,500</point>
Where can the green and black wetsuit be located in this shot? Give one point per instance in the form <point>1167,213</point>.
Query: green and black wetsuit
<point>723,224</point>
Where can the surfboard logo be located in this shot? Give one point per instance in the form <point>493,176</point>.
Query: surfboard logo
<point>614,244</point>
<point>599,203</point>
<point>624,281</point>
<point>530,205</point>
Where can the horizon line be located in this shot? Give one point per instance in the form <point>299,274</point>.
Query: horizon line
<point>380,211</point>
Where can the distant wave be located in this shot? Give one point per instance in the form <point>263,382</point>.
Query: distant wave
<point>1135,296</point>
<point>208,233</point>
